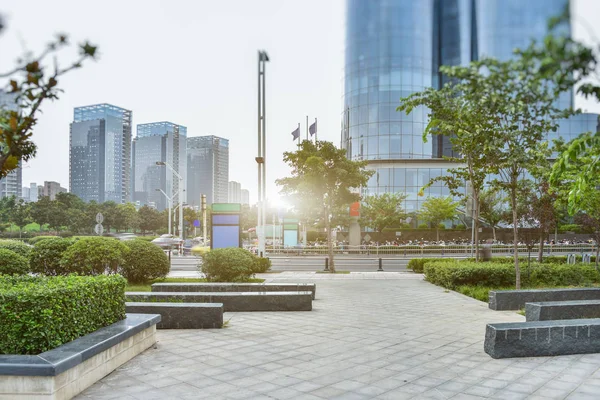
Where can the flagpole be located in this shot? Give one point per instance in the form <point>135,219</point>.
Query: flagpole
<point>298,134</point>
<point>316,129</point>
<point>307,127</point>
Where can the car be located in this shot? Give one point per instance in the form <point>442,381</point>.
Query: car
<point>126,236</point>
<point>167,241</point>
<point>188,245</point>
<point>200,250</point>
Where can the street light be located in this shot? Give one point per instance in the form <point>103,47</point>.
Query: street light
<point>162,163</point>
<point>261,157</point>
<point>170,202</point>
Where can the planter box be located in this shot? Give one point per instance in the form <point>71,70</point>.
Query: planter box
<point>182,315</point>
<point>235,287</point>
<point>66,371</point>
<point>501,300</point>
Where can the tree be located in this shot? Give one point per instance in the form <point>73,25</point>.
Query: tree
<point>33,83</point>
<point>128,216</point>
<point>436,210</point>
<point>189,216</point>
<point>21,215</point>
<point>322,173</point>
<point>491,208</point>
<point>112,219</point>
<point>382,211</point>
<point>150,219</point>
<point>7,204</point>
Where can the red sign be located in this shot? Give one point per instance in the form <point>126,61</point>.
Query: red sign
<point>355,209</point>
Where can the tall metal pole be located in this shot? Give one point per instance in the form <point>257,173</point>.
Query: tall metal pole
<point>261,157</point>
<point>307,127</point>
<point>203,202</point>
<point>181,233</point>
<point>259,161</point>
<point>264,148</point>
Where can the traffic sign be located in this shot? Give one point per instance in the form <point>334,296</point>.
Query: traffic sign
<point>196,222</point>
<point>99,229</point>
<point>99,218</point>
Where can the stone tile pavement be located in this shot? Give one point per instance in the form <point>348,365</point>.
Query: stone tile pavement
<point>395,338</point>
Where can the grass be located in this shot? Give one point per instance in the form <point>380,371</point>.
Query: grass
<point>336,272</point>
<point>481,293</point>
<point>146,287</point>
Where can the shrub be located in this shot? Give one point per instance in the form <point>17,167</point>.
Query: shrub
<point>423,226</point>
<point>261,264</point>
<point>228,265</point>
<point>461,226</point>
<point>12,263</point>
<point>94,256</point>
<point>17,246</point>
<point>441,226</point>
<point>46,255</point>
<point>36,239</point>
<point>560,275</point>
<point>453,273</point>
<point>569,228</point>
<point>144,261</point>
<point>40,313</point>
<point>416,264</point>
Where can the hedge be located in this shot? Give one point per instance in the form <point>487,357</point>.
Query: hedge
<point>46,255</point>
<point>231,264</point>
<point>144,262</point>
<point>36,239</point>
<point>12,263</point>
<point>17,246</point>
<point>94,256</point>
<point>416,264</point>
<point>41,313</point>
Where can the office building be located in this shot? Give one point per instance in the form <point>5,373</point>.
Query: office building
<point>235,192</point>
<point>164,142</point>
<point>51,189</point>
<point>395,48</point>
<point>25,194</point>
<point>100,153</point>
<point>208,169</point>
<point>245,197</point>
<point>33,192</point>
<point>11,184</point>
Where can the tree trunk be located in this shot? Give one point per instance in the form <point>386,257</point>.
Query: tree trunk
<point>513,201</point>
<point>476,222</point>
<point>437,232</point>
<point>494,232</point>
<point>329,242</point>
<point>541,249</point>
<point>597,251</point>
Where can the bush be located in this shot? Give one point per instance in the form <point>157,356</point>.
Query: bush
<point>12,263</point>
<point>453,273</point>
<point>461,226</point>
<point>46,255</point>
<point>228,265</point>
<point>423,226</point>
<point>416,264</point>
<point>36,239</point>
<point>94,256</point>
<point>41,313</point>
<point>569,228</point>
<point>261,264</point>
<point>441,226</point>
<point>17,246</point>
<point>144,262</point>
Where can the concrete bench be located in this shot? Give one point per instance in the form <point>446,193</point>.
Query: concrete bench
<point>235,287</point>
<point>555,310</point>
<point>233,301</point>
<point>182,315</point>
<point>516,299</point>
<point>542,338</point>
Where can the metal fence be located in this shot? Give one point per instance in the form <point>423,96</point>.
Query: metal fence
<point>448,251</point>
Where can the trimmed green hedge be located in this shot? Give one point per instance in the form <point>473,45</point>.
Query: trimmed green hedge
<point>17,246</point>
<point>41,313</point>
<point>417,264</point>
<point>231,264</point>
<point>12,263</point>
<point>94,256</point>
<point>46,255</point>
<point>36,239</point>
<point>144,262</point>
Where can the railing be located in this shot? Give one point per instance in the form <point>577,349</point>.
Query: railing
<point>444,251</point>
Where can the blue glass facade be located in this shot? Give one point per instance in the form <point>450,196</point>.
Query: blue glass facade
<point>395,48</point>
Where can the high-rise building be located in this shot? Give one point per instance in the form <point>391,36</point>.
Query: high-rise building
<point>100,153</point>
<point>25,193</point>
<point>235,192</point>
<point>51,189</point>
<point>395,48</point>
<point>208,169</point>
<point>11,185</point>
<point>158,141</point>
<point>33,192</point>
<point>245,197</point>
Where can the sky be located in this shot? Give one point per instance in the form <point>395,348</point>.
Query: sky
<point>194,63</point>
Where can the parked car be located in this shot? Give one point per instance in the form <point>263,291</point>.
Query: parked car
<point>188,245</point>
<point>125,236</point>
<point>167,241</point>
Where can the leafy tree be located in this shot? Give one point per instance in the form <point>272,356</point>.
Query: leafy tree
<point>51,212</point>
<point>128,217</point>
<point>248,217</point>
<point>321,172</point>
<point>21,215</point>
<point>33,83</point>
<point>436,210</point>
<point>7,204</point>
<point>189,216</point>
<point>383,210</point>
<point>150,219</point>
<point>491,208</point>
<point>112,219</point>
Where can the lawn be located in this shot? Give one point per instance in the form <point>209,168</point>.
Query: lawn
<point>145,287</point>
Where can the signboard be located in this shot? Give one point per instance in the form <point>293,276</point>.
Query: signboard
<point>99,229</point>
<point>196,222</point>
<point>355,209</point>
<point>226,231</point>
<point>99,218</point>
<point>398,233</point>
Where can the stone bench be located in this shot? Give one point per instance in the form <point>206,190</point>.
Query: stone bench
<point>182,315</point>
<point>516,299</point>
<point>235,287</point>
<point>542,338</point>
<point>233,301</point>
<point>555,310</point>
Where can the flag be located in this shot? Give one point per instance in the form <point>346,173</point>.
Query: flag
<point>313,128</point>
<point>296,133</point>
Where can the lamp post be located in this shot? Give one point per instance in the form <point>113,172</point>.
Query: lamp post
<point>180,195</point>
<point>261,157</point>
<point>170,203</point>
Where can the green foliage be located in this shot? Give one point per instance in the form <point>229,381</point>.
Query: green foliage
<point>12,263</point>
<point>262,265</point>
<point>144,262</point>
<point>417,264</point>
<point>17,246</point>
<point>423,226</point>
<point>41,313</point>
<point>229,265</point>
<point>36,239</point>
<point>461,227</point>
<point>46,256</point>
<point>94,256</point>
<point>434,210</point>
<point>380,211</point>
<point>569,228</point>
<point>150,220</point>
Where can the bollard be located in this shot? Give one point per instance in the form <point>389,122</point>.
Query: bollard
<point>380,265</point>
<point>326,264</point>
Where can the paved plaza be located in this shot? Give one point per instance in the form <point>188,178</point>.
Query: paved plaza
<point>370,335</point>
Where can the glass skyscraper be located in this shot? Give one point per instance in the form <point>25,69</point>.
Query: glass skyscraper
<point>158,141</point>
<point>208,169</point>
<point>395,48</point>
<point>100,153</point>
<point>11,184</point>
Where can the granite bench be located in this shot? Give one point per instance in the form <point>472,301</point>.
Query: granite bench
<point>542,338</point>
<point>555,310</point>
<point>232,301</point>
<point>182,315</point>
<point>516,299</point>
<point>235,287</point>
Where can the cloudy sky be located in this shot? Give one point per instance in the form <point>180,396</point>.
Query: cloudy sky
<point>194,63</point>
